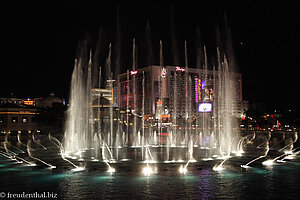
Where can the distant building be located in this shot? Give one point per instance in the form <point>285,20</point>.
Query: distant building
<point>165,86</point>
<point>47,101</point>
<point>17,119</point>
<point>11,100</point>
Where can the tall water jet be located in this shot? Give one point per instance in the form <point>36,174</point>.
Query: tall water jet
<point>176,125</point>
<point>174,47</point>
<point>134,109</point>
<point>226,107</point>
<point>76,127</point>
<point>117,48</point>
<point>161,56</point>
<point>148,41</point>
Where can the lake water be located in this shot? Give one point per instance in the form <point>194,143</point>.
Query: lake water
<point>279,181</point>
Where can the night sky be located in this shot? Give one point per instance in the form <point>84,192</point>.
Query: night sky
<point>39,39</point>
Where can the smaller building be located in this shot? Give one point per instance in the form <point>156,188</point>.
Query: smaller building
<point>47,102</point>
<point>17,119</point>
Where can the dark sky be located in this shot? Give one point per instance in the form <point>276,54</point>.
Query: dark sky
<point>39,39</point>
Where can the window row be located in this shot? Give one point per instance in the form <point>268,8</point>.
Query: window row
<point>15,119</point>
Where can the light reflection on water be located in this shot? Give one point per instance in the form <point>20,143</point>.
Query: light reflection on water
<point>280,181</point>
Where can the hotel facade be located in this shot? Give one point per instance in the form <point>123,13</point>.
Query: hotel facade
<point>173,90</point>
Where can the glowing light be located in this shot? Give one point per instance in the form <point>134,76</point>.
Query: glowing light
<point>28,102</point>
<point>207,159</point>
<point>182,170</point>
<point>180,69</point>
<point>147,171</point>
<point>239,153</point>
<point>133,72</point>
<point>111,170</point>
<point>218,168</point>
<point>78,169</point>
<point>289,157</point>
<point>196,90</point>
<point>203,84</point>
<point>159,102</point>
<point>245,166</point>
<point>163,72</point>
<point>288,152</point>
<point>268,162</point>
<point>205,107</point>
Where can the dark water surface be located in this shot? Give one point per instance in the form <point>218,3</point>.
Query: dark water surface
<point>279,181</point>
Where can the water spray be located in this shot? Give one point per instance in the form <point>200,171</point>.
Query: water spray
<point>33,138</point>
<point>29,154</point>
<point>59,145</point>
<point>266,153</point>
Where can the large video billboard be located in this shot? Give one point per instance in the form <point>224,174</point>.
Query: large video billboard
<point>205,107</point>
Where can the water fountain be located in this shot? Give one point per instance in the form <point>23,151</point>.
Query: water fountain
<point>183,142</point>
<point>99,132</point>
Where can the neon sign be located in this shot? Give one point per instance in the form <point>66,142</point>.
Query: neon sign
<point>28,102</point>
<point>133,72</point>
<point>163,72</point>
<point>180,69</point>
<point>196,90</point>
<point>199,89</point>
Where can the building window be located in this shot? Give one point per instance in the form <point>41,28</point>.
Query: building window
<point>14,119</point>
<point>24,119</point>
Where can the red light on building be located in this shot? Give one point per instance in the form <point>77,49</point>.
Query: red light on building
<point>133,72</point>
<point>180,69</point>
<point>165,134</point>
<point>159,103</point>
<point>243,117</point>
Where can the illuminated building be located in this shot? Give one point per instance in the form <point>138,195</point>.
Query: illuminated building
<point>17,119</point>
<point>169,88</point>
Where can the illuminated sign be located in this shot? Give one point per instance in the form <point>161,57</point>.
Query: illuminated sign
<point>133,72</point>
<point>196,90</point>
<point>163,72</point>
<point>159,103</point>
<point>28,102</point>
<point>180,69</point>
<point>165,116</point>
<point>203,84</point>
<point>205,107</point>
<point>211,95</point>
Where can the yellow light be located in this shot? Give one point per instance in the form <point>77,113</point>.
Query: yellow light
<point>182,170</point>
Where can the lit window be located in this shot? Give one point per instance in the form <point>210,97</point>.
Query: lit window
<point>14,119</point>
<point>24,119</point>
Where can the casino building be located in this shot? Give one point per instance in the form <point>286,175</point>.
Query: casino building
<point>174,90</point>
<point>17,119</point>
